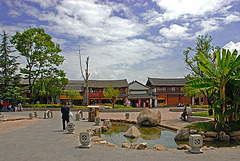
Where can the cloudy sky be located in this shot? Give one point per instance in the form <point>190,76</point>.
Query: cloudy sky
<point>126,39</point>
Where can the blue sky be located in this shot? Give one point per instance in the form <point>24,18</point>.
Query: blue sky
<point>126,39</point>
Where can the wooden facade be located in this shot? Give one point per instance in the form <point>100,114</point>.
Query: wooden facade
<point>168,92</point>
<point>138,95</point>
<point>96,88</point>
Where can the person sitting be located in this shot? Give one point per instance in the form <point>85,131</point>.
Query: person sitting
<point>184,114</point>
<point>189,110</point>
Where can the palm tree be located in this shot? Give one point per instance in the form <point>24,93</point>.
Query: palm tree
<point>217,74</point>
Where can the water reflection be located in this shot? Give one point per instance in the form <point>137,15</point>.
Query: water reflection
<point>151,135</point>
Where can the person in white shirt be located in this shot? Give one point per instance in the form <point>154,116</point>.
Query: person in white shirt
<point>189,110</point>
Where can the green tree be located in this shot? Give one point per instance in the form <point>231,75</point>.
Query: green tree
<point>72,94</point>
<point>50,87</point>
<point>192,61</point>
<point>217,75</point>
<point>40,52</point>
<point>9,81</point>
<point>233,98</point>
<point>111,94</point>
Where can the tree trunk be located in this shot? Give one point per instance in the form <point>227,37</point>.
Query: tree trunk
<point>224,99</point>
<point>113,103</point>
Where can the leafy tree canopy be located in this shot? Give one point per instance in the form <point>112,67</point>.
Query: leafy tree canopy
<point>111,94</point>
<point>40,52</point>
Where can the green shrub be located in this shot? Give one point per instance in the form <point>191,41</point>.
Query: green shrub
<point>73,106</point>
<point>116,106</point>
<point>49,106</point>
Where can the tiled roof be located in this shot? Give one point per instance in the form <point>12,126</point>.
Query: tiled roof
<point>75,85</point>
<point>108,83</point>
<point>139,96</point>
<point>78,84</point>
<point>166,81</point>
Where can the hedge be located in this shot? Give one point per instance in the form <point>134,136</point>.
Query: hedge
<point>118,106</point>
<point>49,106</point>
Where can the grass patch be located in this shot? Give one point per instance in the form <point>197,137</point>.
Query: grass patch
<point>210,126</point>
<point>202,114</point>
<point>202,126</point>
<point>200,106</point>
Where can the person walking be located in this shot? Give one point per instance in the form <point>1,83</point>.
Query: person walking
<point>65,114</point>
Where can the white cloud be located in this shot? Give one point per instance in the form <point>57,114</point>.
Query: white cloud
<point>232,18</point>
<point>208,26</point>
<point>116,59</point>
<point>232,46</point>
<point>175,32</point>
<point>45,3</point>
<point>14,13</point>
<point>174,9</point>
<point>11,29</point>
<point>91,20</point>
<point>153,18</point>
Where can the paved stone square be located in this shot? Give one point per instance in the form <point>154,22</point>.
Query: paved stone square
<point>43,139</point>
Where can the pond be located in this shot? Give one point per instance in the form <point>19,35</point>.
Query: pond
<point>151,135</point>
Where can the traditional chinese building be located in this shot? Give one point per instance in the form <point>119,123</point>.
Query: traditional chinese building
<point>96,88</point>
<point>168,92</point>
<point>138,95</point>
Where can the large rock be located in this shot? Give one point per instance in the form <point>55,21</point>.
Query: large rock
<point>210,134</point>
<point>235,133</point>
<point>125,145</point>
<point>222,136</point>
<point>96,139</point>
<point>133,146</point>
<point>107,123</point>
<point>142,146</point>
<point>132,132</point>
<point>160,148</point>
<point>149,117</point>
<point>208,139</point>
<point>183,147</point>
<point>182,134</point>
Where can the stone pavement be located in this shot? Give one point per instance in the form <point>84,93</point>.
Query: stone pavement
<point>44,140</point>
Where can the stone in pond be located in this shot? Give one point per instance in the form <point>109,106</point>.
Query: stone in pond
<point>132,132</point>
<point>182,134</point>
<point>125,145</point>
<point>149,117</point>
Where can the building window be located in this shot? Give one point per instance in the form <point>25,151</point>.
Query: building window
<point>161,88</point>
<point>173,88</point>
<point>92,90</point>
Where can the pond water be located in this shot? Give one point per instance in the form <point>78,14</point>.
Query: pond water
<point>151,135</point>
